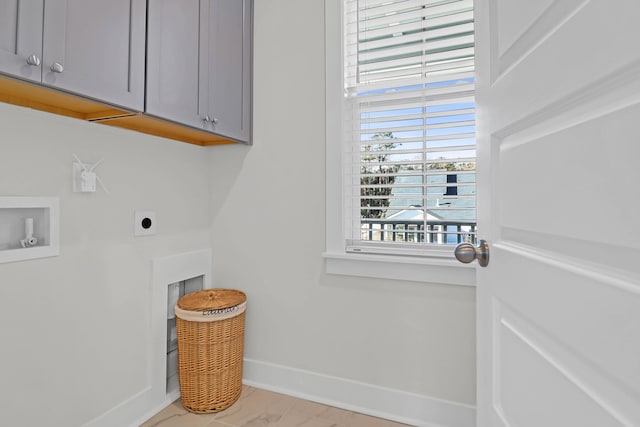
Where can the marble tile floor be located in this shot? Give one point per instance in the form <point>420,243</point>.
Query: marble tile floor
<point>261,408</point>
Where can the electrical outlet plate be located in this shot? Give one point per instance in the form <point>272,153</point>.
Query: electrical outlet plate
<point>83,180</point>
<point>144,223</point>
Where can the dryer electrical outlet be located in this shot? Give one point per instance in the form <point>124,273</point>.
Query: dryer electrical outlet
<point>144,223</point>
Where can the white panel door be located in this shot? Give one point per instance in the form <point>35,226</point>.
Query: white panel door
<point>558,101</point>
<point>99,47</point>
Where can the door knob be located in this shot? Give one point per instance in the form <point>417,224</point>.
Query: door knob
<point>57,67</point>
<point>33,60</point>
<point>466,252</point>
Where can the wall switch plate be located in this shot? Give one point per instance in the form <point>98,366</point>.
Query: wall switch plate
<point>144,223</point>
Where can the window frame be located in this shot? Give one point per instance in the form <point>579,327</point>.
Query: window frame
<point>433,269</point>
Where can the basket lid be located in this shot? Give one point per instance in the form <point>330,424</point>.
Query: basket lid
<point>211,299</point>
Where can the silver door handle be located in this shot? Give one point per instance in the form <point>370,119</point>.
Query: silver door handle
<point>33,60</point>
<point>466,252</point>
<point>57,67</point>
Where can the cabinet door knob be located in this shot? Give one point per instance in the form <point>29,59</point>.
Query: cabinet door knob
<point>57,67</point>
<point>214,121</point>
<point>33,60</point>
<point>206,119</point>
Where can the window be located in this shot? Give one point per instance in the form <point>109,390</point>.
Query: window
<point>349,251</point>
<point>408,126</point>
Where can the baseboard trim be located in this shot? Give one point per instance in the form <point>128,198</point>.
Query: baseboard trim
<point>391,404</point>
<point>396,405</point>
<point>171,397</point>
<point>123,413</point>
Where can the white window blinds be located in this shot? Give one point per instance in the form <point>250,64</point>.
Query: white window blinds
<point>410,124</point>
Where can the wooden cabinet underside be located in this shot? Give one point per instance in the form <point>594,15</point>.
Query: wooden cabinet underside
<point>17,92</point>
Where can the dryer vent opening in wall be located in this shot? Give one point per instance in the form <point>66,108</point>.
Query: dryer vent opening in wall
<point>174,292</point>
<point>173,276</point>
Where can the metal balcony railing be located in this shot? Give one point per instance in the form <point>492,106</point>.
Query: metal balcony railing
<point>417,231</point>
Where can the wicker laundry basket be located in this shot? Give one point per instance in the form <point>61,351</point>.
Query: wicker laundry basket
<point>210,329</point>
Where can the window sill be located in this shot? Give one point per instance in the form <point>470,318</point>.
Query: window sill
<point>431,270</point>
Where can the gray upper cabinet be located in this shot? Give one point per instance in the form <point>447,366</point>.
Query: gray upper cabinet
<point>96,48</point>
<point>173,75</point>
<point>199,64</point>
<point>93,48</point>
<point>227,51</point>
<point>187,62</point>
<point>21,38</point>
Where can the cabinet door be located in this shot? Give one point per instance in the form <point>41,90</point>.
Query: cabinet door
<point>173,66</point>
<point>96,48</point>
<point>227,52</point>
<point>21,38</point>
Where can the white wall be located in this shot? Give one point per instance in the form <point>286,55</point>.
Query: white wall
<point>268,236</point>
<point>75,329</point>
